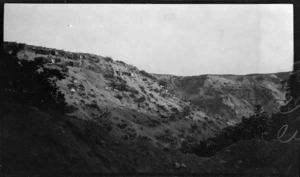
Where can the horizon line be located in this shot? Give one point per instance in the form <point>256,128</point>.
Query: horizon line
<point>248,74</point>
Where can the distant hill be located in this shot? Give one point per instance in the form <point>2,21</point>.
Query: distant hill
<point>229,97</point>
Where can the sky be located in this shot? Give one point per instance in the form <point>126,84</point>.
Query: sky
<point>182,39</point>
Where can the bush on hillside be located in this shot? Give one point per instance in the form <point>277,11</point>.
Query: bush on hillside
<point>186,111</point>
<point>14,48</point>
<point>108,59</point>
<point>43,51</point>
<point>161,107</point>
<point>143,89</point>
<point>133,91</point>
<point>120,97</point>
<point>63,68</point>
<point>175,110</point>
<point>132,95</point>
<point>95,68</point>
<point>109,74</point>
<point>76,56</point>
<point>120,62</point>
<point>292,85</point>
<point>144,73</point>
<point>30,83</point>
<point>156,90</point>
<point>69,55</point>
<point>141,99</point>
<point>120,85</point>
<point>163,83</point>
<point>253,127</point>
<point>93,105</point>
<point>145,79</point>
<point>151,95</point>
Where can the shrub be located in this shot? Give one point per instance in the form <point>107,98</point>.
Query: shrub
<point>163,83</point>
<point>132,95</point>
<point>80,87</point>
<point>164,95</point>
<point>61,53</point>
<point>30,83</point>
<point>120,97</point>
<point>186,111</point>
<point>93,105</point>
<point>42,51</point>
<point>95,60</point>
<point>69,55</point>
<point>59,64</point>
<point>143,89</point>
<point>151,95</point>
<point>13,47</point>
<point>203,149</point>
<point>121,62</point>
<point>69,63</point>
<point>108,75</point>
<point>91,94</point>
<point>108,59</point>
<point>122,86</point>
<point>156,90</point>
<point>194,126</point>
<point>175,110</point>
<point>133,91</point>
<point>253,127</point>
<point>161,107</point>
<point>94,68</point>
<point>141,99</point>
<point>144,73</point>
<point>76,56</point>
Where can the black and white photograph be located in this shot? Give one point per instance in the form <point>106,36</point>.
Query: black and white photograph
<point>157,89</point>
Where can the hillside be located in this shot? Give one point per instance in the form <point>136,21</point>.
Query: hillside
<point>123,118</point>
<point>35,144</point>
<point>229,97</point>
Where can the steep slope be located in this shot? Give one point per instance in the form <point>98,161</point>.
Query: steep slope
<point>134,113</point>
<point>140,104</point>
<point>229,97</point>
<point>40,143</point>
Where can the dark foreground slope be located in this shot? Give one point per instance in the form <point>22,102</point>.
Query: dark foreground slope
<point>40,143</point>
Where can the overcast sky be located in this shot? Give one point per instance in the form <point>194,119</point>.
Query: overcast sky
<point>166,39</point>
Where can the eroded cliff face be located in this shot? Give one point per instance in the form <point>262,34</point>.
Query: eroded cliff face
<point>229,97</point>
